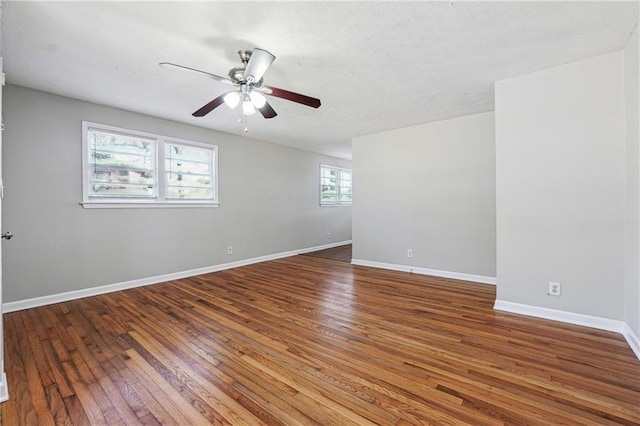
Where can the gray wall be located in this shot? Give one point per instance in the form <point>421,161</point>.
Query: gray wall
<point>429,188</point>
<point>269,197</point>
<point>560,155</point>
<point>632,89</point>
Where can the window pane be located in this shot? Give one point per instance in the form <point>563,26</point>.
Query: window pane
<point>329,181</point>
<point>188,172</point>
<point>121,166</point>
<point>188,159</point>
<point>185,179</point>
<point>182,166</point>
<point>121,190</point>
<point>189,193</point>
<point>326,172</point>
<point>329,189</point>
<point>345,187</point>
<point>329,193</point>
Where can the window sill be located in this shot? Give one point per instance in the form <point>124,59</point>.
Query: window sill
<point>102,205</point>
<point>336,205</point>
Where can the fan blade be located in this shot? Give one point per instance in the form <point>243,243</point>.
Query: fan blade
<point>215,77</point>
<point>267,111</point>
<point>291,96</point>
<point>259,63</point>
<point>210,106</point>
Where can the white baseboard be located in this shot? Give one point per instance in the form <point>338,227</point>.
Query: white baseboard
<point>424,271</point>
<point>4,389</point>
<point>573,318</point>
<point>324,246</point>
<point>632,339</point>
<point>109,288</point>
<point>562,316</point>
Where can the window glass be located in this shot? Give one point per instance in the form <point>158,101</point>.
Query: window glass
<point>189,172</point>
<point>121,166</point>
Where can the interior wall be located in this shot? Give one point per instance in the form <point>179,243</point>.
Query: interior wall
<point>431,189</point>
<point>269,196</point>
<point>560,178</point>
<point>632,267</point>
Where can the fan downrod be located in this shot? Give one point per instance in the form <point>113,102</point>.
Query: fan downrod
<point>245,55</point>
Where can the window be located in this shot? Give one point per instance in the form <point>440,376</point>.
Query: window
<point>335,186</point>
<point>129,167</point>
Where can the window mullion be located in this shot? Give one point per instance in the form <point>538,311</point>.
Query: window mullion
<point>339,185</point>
<point>161,162</point>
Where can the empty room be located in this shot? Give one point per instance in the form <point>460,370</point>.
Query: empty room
<point>320,213</point>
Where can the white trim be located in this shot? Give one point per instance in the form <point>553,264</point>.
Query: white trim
<point>562,316</point>
<point>425,271</point>
<point>606,324</point>
<point>4,389</point>
<point>146,205</point>
<point>329,166</point>
<point>324,246</point>
<point>632,339</point>
<point>94,291</point>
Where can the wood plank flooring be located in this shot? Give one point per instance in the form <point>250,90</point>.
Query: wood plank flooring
<point>306,340</point>
<point>340,253</point>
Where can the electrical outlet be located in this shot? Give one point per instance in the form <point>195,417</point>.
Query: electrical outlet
<point>554,289</point>
<point>409,253</point>
<point>328,235</point>
<point>229,250</point>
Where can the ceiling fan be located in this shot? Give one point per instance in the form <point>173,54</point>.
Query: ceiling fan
<point>249,91</point>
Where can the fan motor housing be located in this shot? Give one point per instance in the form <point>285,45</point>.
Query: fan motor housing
<point>237,75</point>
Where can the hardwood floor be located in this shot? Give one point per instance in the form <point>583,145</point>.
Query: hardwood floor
<point>340,253</point>
<point>305,340</point>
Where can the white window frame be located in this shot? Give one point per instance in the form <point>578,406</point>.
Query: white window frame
<point>338,202</point>
<point>160,199</point>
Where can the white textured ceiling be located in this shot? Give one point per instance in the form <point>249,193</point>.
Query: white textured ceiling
<point>375,65</point>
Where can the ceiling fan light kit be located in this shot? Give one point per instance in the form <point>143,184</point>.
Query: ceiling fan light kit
<point>250,91</point>
<point>257,98</point>
<point>232,99</point>
<point>247,106</point>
